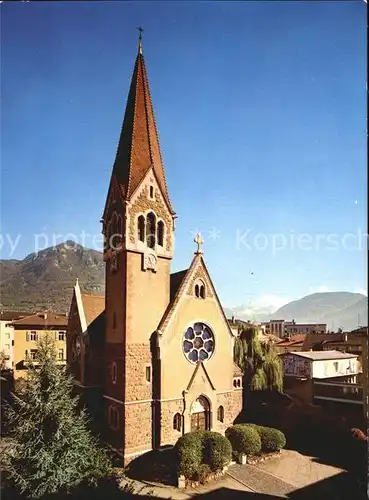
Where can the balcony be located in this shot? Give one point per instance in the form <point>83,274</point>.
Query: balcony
<point>341,392</point>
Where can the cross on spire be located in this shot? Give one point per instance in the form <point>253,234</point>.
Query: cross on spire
<point>199,241</point>
<point>140,31</point>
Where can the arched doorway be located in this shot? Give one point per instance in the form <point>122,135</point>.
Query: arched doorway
<point>200,414</point>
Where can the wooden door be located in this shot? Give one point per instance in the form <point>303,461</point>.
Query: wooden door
<point>200,421</point>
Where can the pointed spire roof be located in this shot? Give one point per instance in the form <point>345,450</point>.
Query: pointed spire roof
<point>138,148</point>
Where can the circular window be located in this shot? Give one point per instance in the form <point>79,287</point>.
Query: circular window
<point>198,343</point>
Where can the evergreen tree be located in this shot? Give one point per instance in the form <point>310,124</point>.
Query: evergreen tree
<point>259,361</point>
<point>54,451</point>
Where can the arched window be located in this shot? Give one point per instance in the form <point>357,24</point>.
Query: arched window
<point>119,225</point>
<point>141,228</point>
<point>161,233</point>
<point>234,383</point>
<point>116,232</point>
<point>114,372</point>
<point>200,289</point>
<point>238,383</point>
<point>177,422</point>
<point>220,414</point>
<point>115,223</point>
<point>108,235</point>
<point>113,418</point>
<point>151,230</point>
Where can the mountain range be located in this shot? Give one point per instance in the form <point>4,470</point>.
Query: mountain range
<point>344,310</point>
<point>44,280</point>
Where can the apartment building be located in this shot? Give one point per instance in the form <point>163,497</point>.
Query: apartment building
<point>28,330</point>
<point>326,378</point>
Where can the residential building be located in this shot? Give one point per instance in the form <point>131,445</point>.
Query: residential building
<point>7,335</point>
<point>354,342</point>
<point>166,361</point>
<point>28,330</point>
<point>324,377</point>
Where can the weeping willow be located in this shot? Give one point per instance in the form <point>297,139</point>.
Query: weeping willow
<point>259,361</point>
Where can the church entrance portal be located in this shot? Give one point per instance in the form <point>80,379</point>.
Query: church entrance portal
<point>200,414</point>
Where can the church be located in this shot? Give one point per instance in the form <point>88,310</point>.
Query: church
<point>153,359</point>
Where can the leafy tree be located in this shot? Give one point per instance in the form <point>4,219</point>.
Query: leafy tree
<point>258,360</point>
<point>54,450</point>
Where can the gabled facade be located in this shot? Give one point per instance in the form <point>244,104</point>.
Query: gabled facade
<point>165,355</point>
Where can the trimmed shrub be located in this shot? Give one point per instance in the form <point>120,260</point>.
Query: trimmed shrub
<point>244,439</point>
<point>271,439</point>
<point>189,449</point>
<point>202,448</point>
<point>217,451</point>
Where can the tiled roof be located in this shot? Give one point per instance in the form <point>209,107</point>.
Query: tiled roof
<point>292,341</point>
<point>316,338</point>
<point>93,306</point>
<point>13,315</point>
<point>42,320</point>
<point>138,147</point>
<point>322,355</point>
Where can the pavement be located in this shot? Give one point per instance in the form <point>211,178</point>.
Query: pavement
<point>277,477</point>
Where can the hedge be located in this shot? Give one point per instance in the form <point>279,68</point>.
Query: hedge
<point>217,451</point>
<point>271,439</point>
<point>244,439</point>
<point>199,448</point>
<point>189,449</point>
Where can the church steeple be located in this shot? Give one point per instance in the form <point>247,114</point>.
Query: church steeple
<point>138,148</point>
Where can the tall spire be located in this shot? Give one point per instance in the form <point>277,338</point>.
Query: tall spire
<point>138,148</point>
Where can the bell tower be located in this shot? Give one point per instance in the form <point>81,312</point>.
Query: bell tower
<point>138,228</point>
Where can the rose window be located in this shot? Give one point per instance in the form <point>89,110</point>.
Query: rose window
<point>198,343</point>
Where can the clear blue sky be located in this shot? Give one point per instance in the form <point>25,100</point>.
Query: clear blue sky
<point>261,110</point>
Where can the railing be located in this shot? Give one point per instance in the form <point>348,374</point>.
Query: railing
<point>347,393</point>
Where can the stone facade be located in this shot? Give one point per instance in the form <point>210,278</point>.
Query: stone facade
<point>138,428</point>
<point>232,404</point>
<point>168,434</point>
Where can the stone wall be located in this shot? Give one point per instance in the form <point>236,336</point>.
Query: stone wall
<point>138,428</point>
<point>232,404</point>
<point>113,436</point>
<point>169,435</point>
<point>138,358</point>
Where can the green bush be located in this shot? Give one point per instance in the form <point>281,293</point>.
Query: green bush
<point>202,448</point>
<point>189,449</point>
<point>271,439</point>
<point>244,439</point>
<point>217,451</point>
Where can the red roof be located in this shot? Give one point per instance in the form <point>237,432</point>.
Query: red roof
<point>93,306</point>
<point>138,147</point>
<point>294,340</point>
<point>42,320</point>
<point>13,315</point>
